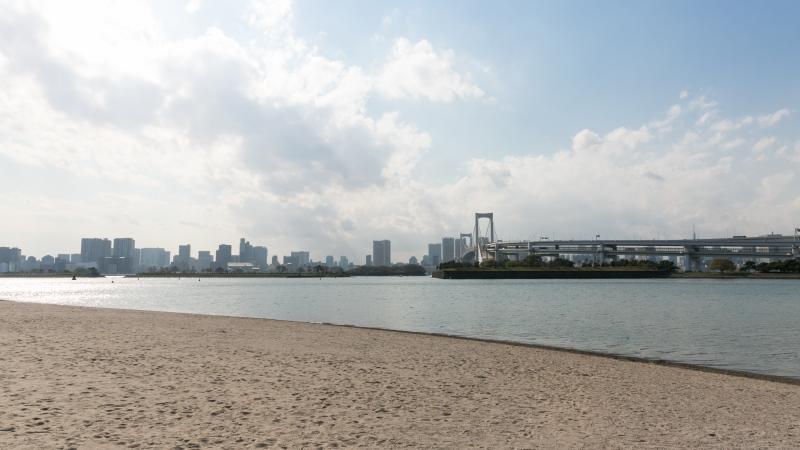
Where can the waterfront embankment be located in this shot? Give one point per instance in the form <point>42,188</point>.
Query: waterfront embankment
<point>86,378</point>
<point>527,274</point>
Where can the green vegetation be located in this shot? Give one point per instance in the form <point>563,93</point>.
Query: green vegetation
<point>664,266</point>
<point>788,266</point>
<point>537,262</point>
<point>722,265</point>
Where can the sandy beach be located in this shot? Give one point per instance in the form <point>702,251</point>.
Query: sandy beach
<point>98,378</point>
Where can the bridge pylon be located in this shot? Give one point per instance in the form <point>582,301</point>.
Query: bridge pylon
<point>476,241</point>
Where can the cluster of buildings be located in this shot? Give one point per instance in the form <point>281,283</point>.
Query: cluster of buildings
<point>121,256</point>
<point>450,249</point>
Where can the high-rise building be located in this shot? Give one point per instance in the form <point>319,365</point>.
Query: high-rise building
<point>204,260</point>
<point>94,249</point>
<point>124,248</point>
<point>153,258</point>
<point>434,254</point>
<point>75,258</point>
<point>329,261</point>
<point>259,258</point>
<point>184,252</point>
<point>300,258</point>
<point>369,260</point>
<point>10,259</point>
<point>183,260</point>
<point>30,264</point>
<point>245,251</point>
<point>122,257</point>
<point>382,253</point>
<point>275,260</point>
<point>343,262</point>
<point>448,249</point>
<point>222,256</point>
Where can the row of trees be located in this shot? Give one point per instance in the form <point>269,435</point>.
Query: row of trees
<point>726,265</point>
<point>664,265</point>
<point>530,261</point>
<point>534,261</point>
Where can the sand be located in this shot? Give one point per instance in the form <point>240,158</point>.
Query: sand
<point>94,378</point>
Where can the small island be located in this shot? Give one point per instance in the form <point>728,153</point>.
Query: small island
<point>534,267</point>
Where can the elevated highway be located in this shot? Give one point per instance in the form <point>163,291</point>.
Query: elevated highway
<point>772,247</point>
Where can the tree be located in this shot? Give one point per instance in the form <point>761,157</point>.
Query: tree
<point>667,266</point>
<point>748,266</point>
<point>722,264</point>
<point>490,264</point>
<point>532,261</point>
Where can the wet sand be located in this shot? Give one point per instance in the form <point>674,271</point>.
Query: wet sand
<point>94,378</point>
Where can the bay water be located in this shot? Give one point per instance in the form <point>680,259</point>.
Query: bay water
<point>746,325</point>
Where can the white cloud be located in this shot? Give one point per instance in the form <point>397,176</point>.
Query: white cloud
<point>585,140</point>
<point>764,143</point>
<point>770,120</point>
<point>270,16</point>
<point>215,136</point>
<point>419,71</point>
<point>192,6</point>
<point>702,103</point>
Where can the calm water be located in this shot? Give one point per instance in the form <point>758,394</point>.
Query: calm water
<point>736,324</point>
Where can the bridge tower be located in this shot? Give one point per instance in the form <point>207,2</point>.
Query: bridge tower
<point>476,240</point>
<point>467,247</point>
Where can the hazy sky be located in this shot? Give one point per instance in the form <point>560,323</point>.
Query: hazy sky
<point>323,125</point>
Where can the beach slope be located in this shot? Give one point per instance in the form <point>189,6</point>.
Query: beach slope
<point>86,378</point>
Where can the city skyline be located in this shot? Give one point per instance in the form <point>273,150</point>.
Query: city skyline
<point>310,125</point>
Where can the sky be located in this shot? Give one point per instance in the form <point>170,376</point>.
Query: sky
<point>321,126</point>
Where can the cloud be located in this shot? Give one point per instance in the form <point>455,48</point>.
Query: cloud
<point>192,6</point>
<point>250,131</point>
<point>419,71</point>
<point>270,16</point>
<point>764,143</point>
<point>585,140</point>
<point>770,120</point>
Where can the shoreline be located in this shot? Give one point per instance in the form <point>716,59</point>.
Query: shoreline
<point>785,379</point>
<point>635,359</point>
<point>95,377</point>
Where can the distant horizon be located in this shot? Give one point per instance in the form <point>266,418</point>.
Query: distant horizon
<point>312,125</point>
